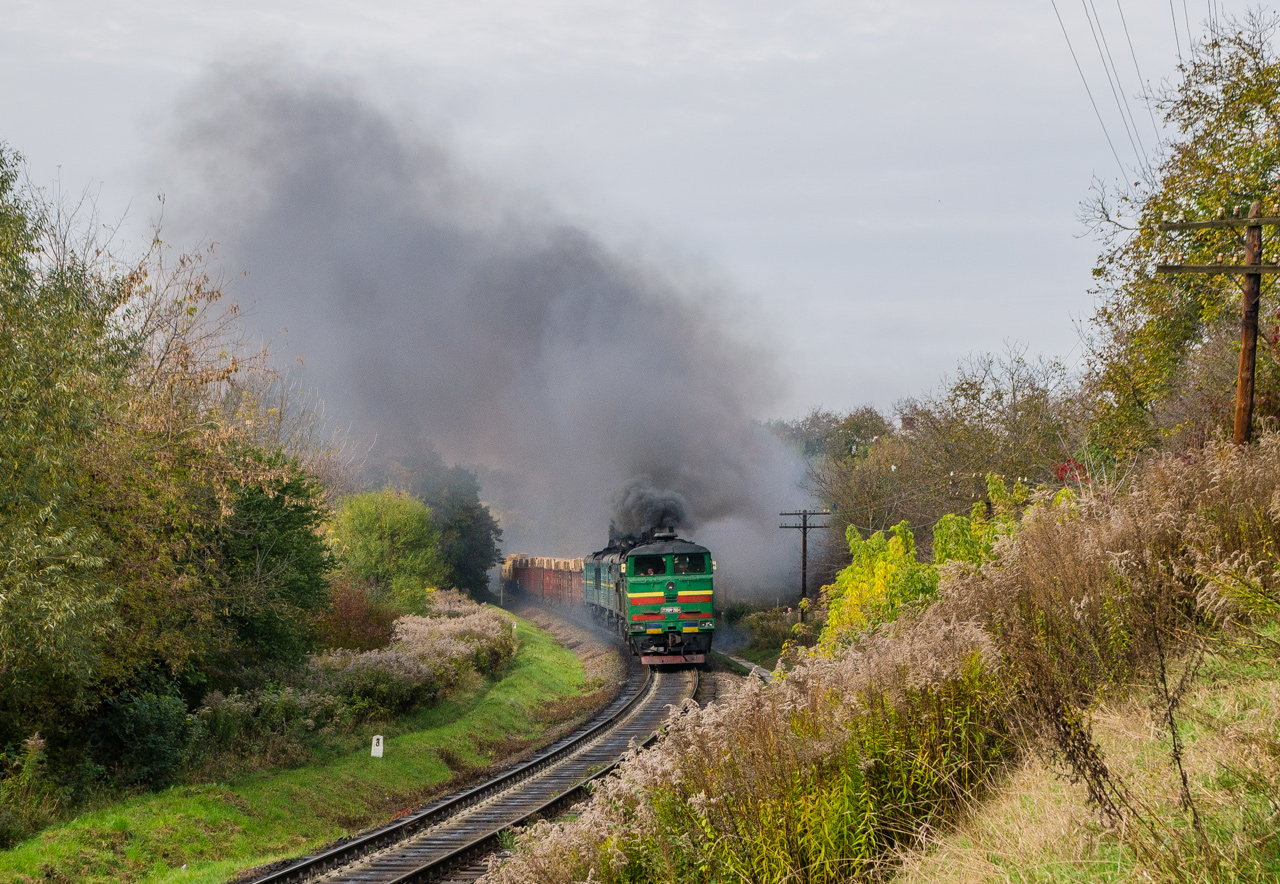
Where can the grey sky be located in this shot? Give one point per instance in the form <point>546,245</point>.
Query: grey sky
<point>888,186</point>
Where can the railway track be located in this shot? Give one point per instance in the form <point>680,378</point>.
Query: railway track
<point>449,837</point>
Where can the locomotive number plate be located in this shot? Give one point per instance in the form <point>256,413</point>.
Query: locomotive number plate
<point>671,609</point>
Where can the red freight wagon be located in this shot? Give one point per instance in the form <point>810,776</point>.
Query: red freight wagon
<point>549,580</point>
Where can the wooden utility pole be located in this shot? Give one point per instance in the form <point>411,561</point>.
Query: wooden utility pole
<point>1252,269</point>
<point>1249,330</point>
<point>804,527</point>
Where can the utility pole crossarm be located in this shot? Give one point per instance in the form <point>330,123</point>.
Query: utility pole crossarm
<point>1214,269</point>
<point>804,528</point>
<point>1218,223</point>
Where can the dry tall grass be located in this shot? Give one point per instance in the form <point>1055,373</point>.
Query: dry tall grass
<point>814,779</point>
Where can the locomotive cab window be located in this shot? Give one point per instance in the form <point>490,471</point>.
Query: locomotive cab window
<point>648,566</point>
<point>691,563</point>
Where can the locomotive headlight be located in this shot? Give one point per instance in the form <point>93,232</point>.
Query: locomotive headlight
<point>705,624</point>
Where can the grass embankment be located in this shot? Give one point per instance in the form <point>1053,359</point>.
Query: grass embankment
<point>208,833</point>
<point>718,662</point>
<point>1040,828</point>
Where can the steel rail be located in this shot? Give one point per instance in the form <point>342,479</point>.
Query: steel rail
<point>486,843</point>
<point>407,827</point>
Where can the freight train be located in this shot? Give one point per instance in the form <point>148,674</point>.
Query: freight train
<point>656,590</point>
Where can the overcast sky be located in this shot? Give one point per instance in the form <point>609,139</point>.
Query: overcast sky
<point>886,186</point>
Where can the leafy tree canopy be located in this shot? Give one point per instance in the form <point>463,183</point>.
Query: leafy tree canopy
<point>826,434</point>
<point>470,536</point>
<point>1005,415</point>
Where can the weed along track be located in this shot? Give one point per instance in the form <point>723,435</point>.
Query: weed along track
<point>454,832</point>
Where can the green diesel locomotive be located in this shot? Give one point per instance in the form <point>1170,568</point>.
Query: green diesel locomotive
<point>657,592</point>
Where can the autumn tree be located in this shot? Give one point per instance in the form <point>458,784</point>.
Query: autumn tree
<point>1163,348</point>
<point>149,536</point>
<point>1007,415</point>
<point>58,363</point>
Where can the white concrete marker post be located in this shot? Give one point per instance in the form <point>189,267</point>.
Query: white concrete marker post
<point>377,746</point>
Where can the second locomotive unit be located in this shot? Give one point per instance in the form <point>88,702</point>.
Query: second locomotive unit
<point>658,592</point>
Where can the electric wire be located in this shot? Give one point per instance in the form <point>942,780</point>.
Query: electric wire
<point>1176,41</point>
<point>1155,128</point>
<point>1186,18</point>
<point>1088,91</point>
<point>1116,89</point>
<point>1146,159</point>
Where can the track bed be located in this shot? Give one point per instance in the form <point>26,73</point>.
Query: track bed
<point>455,832</point>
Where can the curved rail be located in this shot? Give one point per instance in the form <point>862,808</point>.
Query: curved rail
<point>405,850</point>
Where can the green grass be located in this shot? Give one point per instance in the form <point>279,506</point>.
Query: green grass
<point>763,657</point>
<point>210,832</point>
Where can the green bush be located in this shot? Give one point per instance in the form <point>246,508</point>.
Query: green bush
<point>387,538</point>
<point>734,612</point>
<point>387,682</point>
<point>142,738</point>
<point>274,724</point>
<point>883,576</point>
<point>277,561</point>
<point>769,629</point>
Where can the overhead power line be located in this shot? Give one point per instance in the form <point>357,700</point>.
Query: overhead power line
<point>1176,41</point>
<point>1154,128</point>
<point>1123,175</point>
<point>1186,18</point>
<point>1117,89</point>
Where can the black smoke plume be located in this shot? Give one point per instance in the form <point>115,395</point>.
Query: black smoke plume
<point>436,308</point>
<point>643,506</point>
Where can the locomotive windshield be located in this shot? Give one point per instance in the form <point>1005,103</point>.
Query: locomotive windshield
<point>691,563</point>
<point>649,566</point>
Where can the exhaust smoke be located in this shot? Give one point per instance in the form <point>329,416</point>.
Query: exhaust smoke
<point>643,507</point>
<point>432,307</point>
